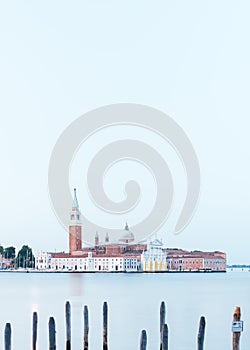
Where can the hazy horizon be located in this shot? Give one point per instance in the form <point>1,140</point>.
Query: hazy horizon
<point>188,59</point>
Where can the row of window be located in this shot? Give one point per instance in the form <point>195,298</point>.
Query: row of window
<point>97,268</point>
<point>84,259</point>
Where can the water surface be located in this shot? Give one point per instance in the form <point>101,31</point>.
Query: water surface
<point>134,301</point>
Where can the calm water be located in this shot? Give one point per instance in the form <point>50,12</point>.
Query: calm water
<point>134,302</point>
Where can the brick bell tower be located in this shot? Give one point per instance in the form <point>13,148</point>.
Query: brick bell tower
<point>75,227</point>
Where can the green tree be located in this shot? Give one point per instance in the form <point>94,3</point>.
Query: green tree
<point>10,252</point>
<point>25,257</point>
<point>1,250</point>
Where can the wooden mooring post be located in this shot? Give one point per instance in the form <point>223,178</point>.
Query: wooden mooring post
<point>86,328</point>
<point>164,337</point>
<point>162,322</point>
<point>143,340</point>
<point>52,334</point>
<point>236,334</point>
<point>34,330</point>
<point>7,337</point>
<point>68,325</point>
<point>105,326</point>
<point>201,333</point>
<point>237,328</point>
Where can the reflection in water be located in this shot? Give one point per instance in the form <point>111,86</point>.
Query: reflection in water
<point>76,292</point>
<point>76,284</point>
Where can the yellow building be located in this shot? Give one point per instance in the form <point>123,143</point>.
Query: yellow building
<point>154,258</point>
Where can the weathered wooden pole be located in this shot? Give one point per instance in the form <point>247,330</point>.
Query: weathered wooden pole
<point>162,321</point>
<point>201,334</point>
<point>7,337</point>
<point>105,326</point>
<point>143,341</point>
<point>236,335</point>
<point>68,325</point>
<point>52,334</point>
<point>164,337</point>
<point>86,328</point>
<point>34,330</point>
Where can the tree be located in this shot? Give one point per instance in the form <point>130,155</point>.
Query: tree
<point>25,257</point>
<point>10,252</point>
<point>1,250</point>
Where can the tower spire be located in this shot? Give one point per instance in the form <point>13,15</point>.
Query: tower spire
<point>75,227</point>
<point>96,239</point>
<point>107,237</point>
<point>75,202</point>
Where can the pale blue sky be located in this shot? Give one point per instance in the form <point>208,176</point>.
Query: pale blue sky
<point>60,59</point>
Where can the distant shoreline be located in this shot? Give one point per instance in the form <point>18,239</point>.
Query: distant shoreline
<point>107,272</point>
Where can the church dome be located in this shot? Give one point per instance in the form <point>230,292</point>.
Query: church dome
<point>127,236</point>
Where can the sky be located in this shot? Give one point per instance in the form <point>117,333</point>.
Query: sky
<point>189,59</point>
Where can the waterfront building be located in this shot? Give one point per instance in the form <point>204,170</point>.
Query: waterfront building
<point>86,262</point>
<point>125,254</point>
<point>42,261</point>
<point>154,258</point>
<point>6,263</point>
<point>214,262</point>
<point>180,260</point>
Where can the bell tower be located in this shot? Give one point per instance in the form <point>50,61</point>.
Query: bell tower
<point>75,227</point>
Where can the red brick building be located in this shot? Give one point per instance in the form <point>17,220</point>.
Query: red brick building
<point>75,227</point>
